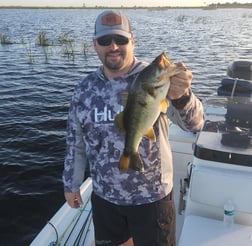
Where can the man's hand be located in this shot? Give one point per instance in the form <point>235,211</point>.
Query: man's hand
<point>180,83</point>
<point>73,199</point>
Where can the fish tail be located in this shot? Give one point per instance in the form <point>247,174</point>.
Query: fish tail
<point>133,161</point>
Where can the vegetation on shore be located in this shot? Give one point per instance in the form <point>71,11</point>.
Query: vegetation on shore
<point>230,5</point>
<point>210,6</point>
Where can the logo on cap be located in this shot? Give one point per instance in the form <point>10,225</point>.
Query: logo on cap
<point>111,20</point>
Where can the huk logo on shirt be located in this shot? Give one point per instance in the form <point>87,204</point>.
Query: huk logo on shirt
<point>105,115</point>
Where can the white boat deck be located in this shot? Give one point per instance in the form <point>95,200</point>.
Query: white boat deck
<point>212,182</point>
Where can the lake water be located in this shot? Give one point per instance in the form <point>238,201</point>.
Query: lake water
<point>36,84</point>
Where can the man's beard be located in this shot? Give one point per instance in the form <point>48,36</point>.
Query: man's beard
<point>114,65</point>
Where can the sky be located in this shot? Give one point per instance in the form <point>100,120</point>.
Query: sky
<point>115,3</point>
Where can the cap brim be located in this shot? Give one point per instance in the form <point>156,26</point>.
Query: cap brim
<point>113,32</point>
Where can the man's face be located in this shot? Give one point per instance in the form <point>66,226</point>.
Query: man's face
<point>115,52</point>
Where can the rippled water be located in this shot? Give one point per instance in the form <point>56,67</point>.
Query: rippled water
<point>36,84</point>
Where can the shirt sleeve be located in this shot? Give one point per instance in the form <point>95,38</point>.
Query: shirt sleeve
<point>75,158</point>
<point>190,117</point>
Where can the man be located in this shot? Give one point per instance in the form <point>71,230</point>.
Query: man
<point>128,207</point>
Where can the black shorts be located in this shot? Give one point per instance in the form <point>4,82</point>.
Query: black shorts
<point>149,224</point>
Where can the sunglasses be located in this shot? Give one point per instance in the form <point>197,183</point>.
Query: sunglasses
<point>107,40</point>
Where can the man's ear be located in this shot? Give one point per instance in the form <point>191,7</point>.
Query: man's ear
<point>132,40</point>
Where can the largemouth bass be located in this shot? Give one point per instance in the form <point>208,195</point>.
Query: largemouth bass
<point>146,100</point>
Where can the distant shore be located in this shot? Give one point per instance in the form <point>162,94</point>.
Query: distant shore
<point>210,6</point>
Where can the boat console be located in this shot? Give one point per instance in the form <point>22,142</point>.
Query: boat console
<point>227,133</point>
<point>226,137</point>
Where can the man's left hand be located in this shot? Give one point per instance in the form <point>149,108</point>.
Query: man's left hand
<point>180,83</point>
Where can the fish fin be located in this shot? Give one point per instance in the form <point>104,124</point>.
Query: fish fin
<point>136,163</point>
<point>119,122</point>
<point>164,105</point>
<point>151,134</point>
<point>124,163</point>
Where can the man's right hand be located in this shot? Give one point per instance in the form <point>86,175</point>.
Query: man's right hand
<point>73,199</point>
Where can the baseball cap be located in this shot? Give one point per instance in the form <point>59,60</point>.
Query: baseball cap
<point>112,22</point>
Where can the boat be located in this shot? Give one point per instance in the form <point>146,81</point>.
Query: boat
<point>211,168</point>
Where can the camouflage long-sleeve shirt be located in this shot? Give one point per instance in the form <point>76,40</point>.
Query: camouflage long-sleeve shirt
<point>93,138</point>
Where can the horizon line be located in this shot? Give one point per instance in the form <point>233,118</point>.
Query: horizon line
<point>135,6</point>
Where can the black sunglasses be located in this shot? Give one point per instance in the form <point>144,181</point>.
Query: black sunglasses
<point>107,40</point>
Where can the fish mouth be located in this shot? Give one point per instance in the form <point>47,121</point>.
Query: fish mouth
<point>162,61</point>
<point>156,85</point>
<point>160,84</point>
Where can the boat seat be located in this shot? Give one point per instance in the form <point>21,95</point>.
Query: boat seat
<point>211,187</point>
<point>239,87</point>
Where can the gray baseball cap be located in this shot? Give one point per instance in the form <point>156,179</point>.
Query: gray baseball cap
<point>112,22</point>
